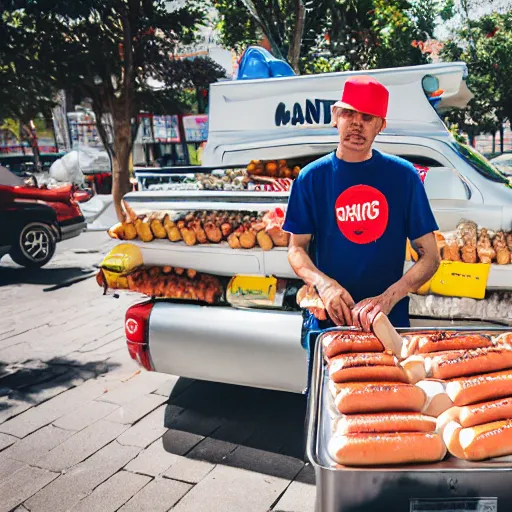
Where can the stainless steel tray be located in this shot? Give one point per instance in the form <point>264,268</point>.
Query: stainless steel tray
<point>452,485</point>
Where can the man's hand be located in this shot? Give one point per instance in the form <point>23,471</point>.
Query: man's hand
<point>365,312</point>
<point>337,301</point>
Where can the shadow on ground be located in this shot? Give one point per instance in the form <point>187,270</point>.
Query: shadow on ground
<point>34,382</point>
<point>253,429</point>
<point>52,277</point>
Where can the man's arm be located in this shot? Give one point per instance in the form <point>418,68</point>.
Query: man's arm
<point>365,312</point>
<point>336,299</point>
<point>426,266</point>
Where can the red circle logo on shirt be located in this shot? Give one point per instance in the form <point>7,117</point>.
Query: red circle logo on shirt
<point>362,214</point>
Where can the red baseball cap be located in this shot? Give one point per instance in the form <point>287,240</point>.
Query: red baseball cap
<point>365,94</point>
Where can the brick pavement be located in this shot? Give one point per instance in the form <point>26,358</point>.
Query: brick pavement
<point>82,429</point>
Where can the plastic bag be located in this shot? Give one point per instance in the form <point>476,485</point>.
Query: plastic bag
<point>274,220</point>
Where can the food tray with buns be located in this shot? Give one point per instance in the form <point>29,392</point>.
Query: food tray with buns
<point>449,484</point>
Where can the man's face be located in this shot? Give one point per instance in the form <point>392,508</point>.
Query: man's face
<point>357,131</point>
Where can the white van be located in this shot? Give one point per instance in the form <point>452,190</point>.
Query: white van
<point>289,118</point>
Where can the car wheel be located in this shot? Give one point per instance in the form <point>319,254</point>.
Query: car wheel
<point>35,246</point>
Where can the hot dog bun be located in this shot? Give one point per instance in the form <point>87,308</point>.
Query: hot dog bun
<point>367,397</point>
<point>437,399</point>
<point>415,367</point>
<point>471,362</point>
<point>486,412</point>
<point>387,335</point>
<point>352,341</point>
<point>486,441</point>
<point>451,438</point>
<point>504,339</point>
<point>385,449</point>
<point>384,422</point>
<point>471,390</point>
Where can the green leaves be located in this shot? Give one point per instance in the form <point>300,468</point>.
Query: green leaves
<point>489,59</point>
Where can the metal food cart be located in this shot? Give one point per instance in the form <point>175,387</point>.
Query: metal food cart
<point>452,485</point>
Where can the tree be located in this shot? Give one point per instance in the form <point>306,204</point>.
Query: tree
<point>25,91</point>
<point>489,60</point>
<point>106,50</point>
<point>338,35</point>
<point>369,34</point>
<point>194,74</point>
<point>288,25</point>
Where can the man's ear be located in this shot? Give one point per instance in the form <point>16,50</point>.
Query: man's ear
<point>382,128</point>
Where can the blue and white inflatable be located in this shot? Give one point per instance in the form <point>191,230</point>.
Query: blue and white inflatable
<point>256,62</point>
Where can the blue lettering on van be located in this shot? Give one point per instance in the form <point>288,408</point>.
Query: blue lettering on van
<point>314,112</point>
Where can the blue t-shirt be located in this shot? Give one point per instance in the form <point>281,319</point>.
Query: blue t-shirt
<point>360,216</point>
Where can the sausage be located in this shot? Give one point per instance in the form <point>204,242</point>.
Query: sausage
<point>443,341</point>
<point>486,412</point>
<point>487,441</point>
<point>471,362</point>
<point>361,397</point>
<point>339,365</point>
<point>437,400</point>
<point>377,373</point>
<point>471,390</point>
<point>385,422</point>
<point>477,414</point>
<point>355,360</point>
<point>342,342</point>
<point>385,449</point>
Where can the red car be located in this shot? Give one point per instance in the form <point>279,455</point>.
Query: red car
<point>34,219</point>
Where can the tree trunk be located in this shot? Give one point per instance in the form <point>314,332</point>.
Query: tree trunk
<point>200,101</point>
<point>296,42</point>
<point>121,163</point>
<point>501,137</point>
<point>183,139</point>
<point>493,143</point>
<point>30,135</point>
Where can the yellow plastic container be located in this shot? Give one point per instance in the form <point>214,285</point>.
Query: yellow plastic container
<point>253,287</point>
<point>459,279</point>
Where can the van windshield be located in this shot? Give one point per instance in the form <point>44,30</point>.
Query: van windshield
<point>481,164</point>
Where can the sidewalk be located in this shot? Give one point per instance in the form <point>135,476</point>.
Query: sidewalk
<point>83,429</point>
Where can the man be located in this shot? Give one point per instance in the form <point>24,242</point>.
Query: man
<point>358,206</point>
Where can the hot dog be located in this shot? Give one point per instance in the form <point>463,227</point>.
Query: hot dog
<point>471,390</point>
<point>384,449</point>
<point>486,412</point>
<point>477,414</point>
<point>342,342</point>
<point>363,397</point>
<point>384,422</point>
<point>471,362</point>
<point>443,341</point>
<point>346,366</point>
<point>487,441</point>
